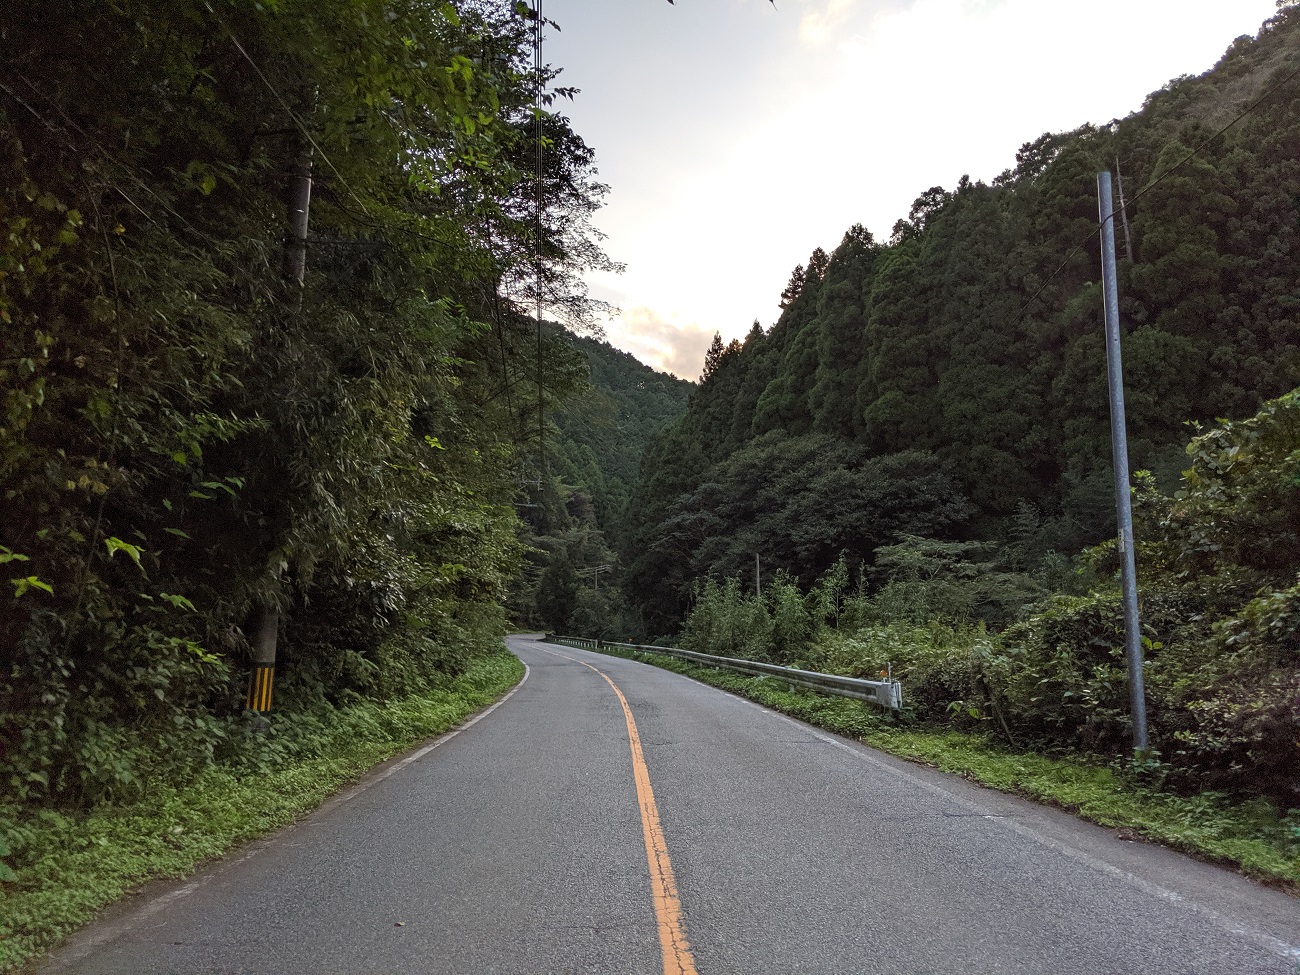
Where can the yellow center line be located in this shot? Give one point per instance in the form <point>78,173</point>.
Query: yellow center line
<point>668,908</point>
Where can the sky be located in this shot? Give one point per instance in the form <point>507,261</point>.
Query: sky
<point>737,136</point>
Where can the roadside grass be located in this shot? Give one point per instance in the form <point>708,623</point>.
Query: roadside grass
<point>1250,836</point>
<point>70,866</point>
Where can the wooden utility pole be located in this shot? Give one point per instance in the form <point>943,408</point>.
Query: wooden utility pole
<point>538,33</point>
<point>299,200</point>
<point>1123,210</point>
<point>595,572</point>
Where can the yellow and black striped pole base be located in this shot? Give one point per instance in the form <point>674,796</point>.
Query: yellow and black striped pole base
<point>259,687</point>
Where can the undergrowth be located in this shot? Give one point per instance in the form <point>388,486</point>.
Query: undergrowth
<point>1248,835</point>
<point>69,866</point>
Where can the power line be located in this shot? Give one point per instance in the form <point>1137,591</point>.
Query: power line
<point>62,132</point>
<point>296,121</point>
<point>1153,184</point>
<point>538,25</point>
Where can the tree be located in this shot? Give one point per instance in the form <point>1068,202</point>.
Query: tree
<point>557,593</point>
<point>817,264</point>
<point>713,357</point>
<point>794,288</point>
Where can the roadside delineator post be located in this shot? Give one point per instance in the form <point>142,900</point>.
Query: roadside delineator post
<point>264,641</point>
<point>259,687</point>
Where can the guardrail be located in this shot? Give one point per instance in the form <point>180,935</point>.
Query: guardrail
<point>886,693</point>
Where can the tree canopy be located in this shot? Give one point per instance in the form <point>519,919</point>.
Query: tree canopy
<point>962,361</point>
<point>187,435</point>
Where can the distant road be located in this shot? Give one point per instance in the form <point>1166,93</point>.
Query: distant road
<point>728,840</point>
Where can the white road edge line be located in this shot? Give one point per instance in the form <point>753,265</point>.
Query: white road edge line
<point>112,931</point>
<point>1262,938</point>
<point>437,742</point>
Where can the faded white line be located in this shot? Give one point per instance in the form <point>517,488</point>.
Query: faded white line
<point>1263,939</point>
<point>436,743</point>
<point>86,942</point>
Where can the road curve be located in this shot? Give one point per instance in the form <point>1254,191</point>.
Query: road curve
<point>523,845</point>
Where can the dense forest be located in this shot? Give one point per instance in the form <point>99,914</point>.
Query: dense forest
<point>605,430</point>
<point>950,382</point>
<point>574,518</point>
<point>269,379</point>
<point>918,452</point>
<point>270,389</point>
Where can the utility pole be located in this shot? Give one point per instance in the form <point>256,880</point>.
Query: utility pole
<point>266,634</point>
<point>595,571</point>
<point>1119,452</point>
<point>758,577</point>
<point>1123,210</point>
<point>299,200</point>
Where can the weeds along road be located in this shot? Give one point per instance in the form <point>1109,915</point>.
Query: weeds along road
<point>725,840</point>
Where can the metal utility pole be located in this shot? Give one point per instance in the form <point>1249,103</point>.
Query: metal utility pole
<point>1119,451</point>
<point>758,577</point>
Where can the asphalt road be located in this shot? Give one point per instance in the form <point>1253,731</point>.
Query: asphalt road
<point>520,845</point>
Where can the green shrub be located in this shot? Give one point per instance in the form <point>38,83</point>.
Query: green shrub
<point>1219,603</point>
<point>728,623</point>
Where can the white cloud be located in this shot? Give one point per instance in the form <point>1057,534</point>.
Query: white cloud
<point>669,345</point>
<point>818,25</point>
<point>856,107</point>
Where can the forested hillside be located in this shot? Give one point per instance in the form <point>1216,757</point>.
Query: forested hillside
<point>270,386</point>
<point>575,518</point>
<point>606,429</point>
<point>206,453</point>
<point>918,451</point>
<point>950,382</point>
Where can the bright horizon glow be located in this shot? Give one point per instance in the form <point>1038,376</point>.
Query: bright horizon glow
<point>736,138</point>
